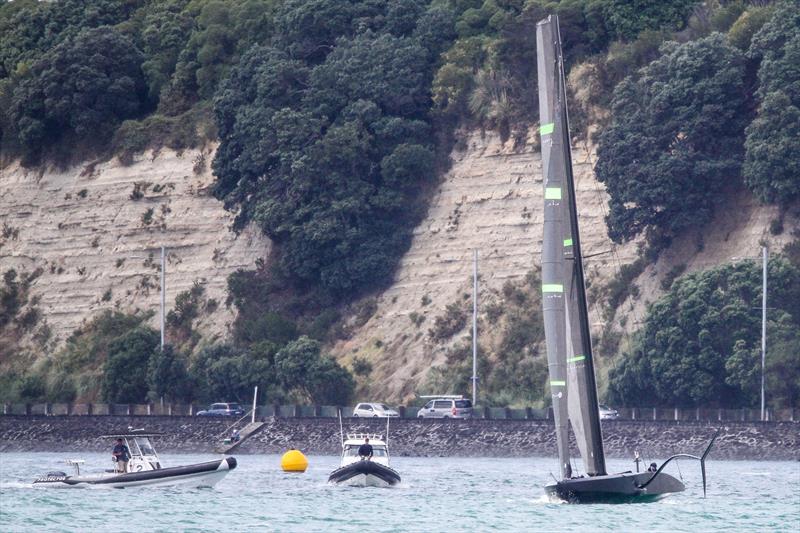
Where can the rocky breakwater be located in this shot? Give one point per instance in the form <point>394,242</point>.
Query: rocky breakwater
<point>654,439</point>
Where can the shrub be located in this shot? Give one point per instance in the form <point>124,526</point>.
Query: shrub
<point>147,216</point>
<point>361,367</point>
<point>449,324</point>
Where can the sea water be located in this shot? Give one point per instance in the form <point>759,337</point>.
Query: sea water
<point>436,494</point>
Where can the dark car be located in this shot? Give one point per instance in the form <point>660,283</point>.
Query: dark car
<point>222,409</point>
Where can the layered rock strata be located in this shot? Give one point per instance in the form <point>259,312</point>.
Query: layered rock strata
<point>94,234</point>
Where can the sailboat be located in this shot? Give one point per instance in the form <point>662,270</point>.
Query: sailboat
<point>566,321</point>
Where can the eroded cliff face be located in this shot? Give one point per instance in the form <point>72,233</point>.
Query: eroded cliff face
<point>492,200</point>
<point>87,231</point>
<point>94,234</point>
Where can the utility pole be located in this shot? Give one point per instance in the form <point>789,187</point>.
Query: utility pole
<point>475,328</point>
<point>163,293</point>
<point>763,331</point>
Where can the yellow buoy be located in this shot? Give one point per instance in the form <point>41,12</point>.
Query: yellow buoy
<point>294,461</point>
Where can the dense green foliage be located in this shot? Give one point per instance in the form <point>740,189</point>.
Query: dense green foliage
<point>679,124</point>
<point>325,143</point>
<point>126,366</point>
<point>155,62</point>
<point>167,376</point>
<point>772,165</point>
<point>676,138</point>
<point>301,367</point>
<point>296,372</point>
<point>84,87</point>
<point>29,28</point>
<point>700,345</point>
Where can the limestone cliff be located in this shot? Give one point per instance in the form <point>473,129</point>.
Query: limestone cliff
<point>95,233</point>
<point>491,200</point>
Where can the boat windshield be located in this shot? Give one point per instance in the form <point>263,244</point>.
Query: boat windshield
<point>351,450</point>
<point>144,446</point>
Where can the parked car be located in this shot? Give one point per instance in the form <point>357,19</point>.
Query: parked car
<point>607,413</point>
<point>222,409</point>
<point>374,410</point>
<point>446,408</point>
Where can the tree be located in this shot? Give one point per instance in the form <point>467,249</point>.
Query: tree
<point>166,28</point>
<point>167,376</point>
<point>29,28</point>
<point>700,344</point>
<point>221,31</point>
<point>625,19</point>
<point>125,378</point>
<point>318,152</point>
<point>300,366</point>
<point>329,383</point>
<point>224,371</point>
<point>85,86</point>
<point>772,168</point>
<point>675,140</point>
<point>216,373</point>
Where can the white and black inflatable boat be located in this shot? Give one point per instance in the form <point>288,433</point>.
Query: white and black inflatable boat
<point>143,468</point>
<point>365,473</point>
<point>358,471</point>
<point>196,475</point>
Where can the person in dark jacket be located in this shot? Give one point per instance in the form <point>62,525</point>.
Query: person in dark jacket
<point>365,450</point>
<point>121,454</point>
<point>653,467</point>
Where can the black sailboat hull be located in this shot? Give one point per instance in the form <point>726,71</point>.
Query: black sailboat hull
<point>615,488</point>
<point>368,471</point>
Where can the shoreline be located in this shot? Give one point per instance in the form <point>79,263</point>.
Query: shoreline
<point>408,437</point>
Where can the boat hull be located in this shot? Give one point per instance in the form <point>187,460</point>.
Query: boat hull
<point>365,474</point>
<point>196,475</point>
<point>615,488</point>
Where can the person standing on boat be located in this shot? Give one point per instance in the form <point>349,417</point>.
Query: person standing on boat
<point>121,454</point>
<point>365,450</point>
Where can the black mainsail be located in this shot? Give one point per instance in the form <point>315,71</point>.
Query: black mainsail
<point>566,318</point>
<point>569,347</point>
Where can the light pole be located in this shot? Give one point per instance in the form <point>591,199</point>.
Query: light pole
<point>163,293</point>
<point>474,327</point>
<point>764,255</point>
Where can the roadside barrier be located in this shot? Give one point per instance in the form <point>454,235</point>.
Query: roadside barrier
<point>329,411</point>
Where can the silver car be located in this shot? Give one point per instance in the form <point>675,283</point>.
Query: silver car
<point>446,408</point>
<point>607,413</point>
<point>374,410</point>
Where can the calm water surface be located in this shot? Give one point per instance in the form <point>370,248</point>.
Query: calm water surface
<point>437,494</point>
